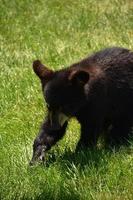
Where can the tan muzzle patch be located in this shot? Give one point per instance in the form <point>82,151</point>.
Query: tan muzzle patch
<point>57,118</point>
<point>62,118</point>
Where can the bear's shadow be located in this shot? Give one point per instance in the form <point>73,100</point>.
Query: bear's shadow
<point>80,159</point>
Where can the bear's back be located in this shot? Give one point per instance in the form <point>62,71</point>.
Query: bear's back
<point>115,63</point>
<point>109,57</point>
<point>113,57</point>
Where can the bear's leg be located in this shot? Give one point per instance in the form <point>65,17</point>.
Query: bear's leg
<point>46,138</point>
<point>119,134</point>
<point>89,135</point>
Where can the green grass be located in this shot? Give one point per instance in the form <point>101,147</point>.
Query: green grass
<point>59,33</point>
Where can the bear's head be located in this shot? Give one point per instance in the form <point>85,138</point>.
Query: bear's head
<point>63,90</point>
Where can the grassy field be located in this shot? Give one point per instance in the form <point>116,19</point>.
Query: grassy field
<point>59,33</point>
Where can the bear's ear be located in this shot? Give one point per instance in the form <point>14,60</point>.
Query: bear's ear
<point>79,76</point>
<point>42,71</point>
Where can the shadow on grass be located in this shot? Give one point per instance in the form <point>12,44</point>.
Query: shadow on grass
<point>87,162</point>
<point>62,195</point>
<point>81,159</point>
<point>87,157</point>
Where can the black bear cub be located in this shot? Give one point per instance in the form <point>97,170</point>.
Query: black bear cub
<point>98,91</point>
